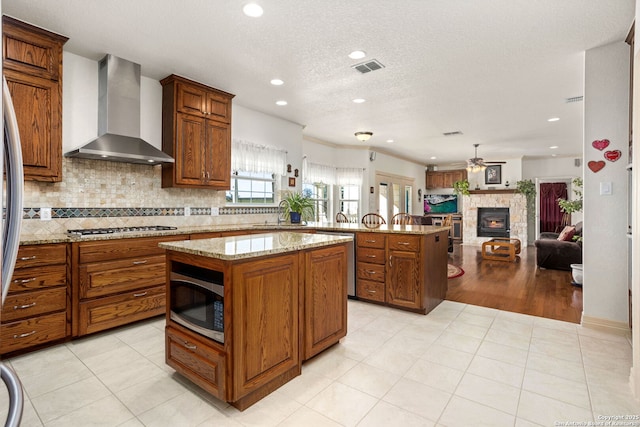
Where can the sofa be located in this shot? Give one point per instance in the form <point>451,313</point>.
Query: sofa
<point>558,254</point>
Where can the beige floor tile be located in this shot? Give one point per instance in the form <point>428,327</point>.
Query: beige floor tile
<point>410,344</point>
<point>508,325</point>
<point>497,371</point>
<point>556,324</point>
<point>561,336</point>
<point>435,375</point>
<point>508,338</point>
<point>481,311</point>
<point>112,359</point>
<point>490,393</point>
<point>524,423</point>
<point>561,368</point>
<point>57,403</point>
<point>270,411</point>
<point>475,319</point>
<point>517,317</point>
<point>614,402</point>
<point>547,411</point>
<point>107,411</point>
<point>129,375</point>
<point>369,379</point>
<point>307,417</point>
<point>342,404</point>
<point>461,327</point>
<point>459,342</point>
<point>52,376</point>
<point>187,409</point>
<point>461,412</point>
<point>304,387</point>
<point>556,349</point>
<point>450,357</point>
<point>558,388</point>
<point>329,364</point>
<point>94,345</point>
<point>503,353</point>
<point>420,399</point>
<point>385,415</point>
<point>149,393</point>
<point>360,344</point>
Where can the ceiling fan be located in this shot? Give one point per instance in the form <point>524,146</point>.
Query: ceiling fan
<point>477,164</point>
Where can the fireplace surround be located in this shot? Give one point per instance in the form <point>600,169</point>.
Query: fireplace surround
<point>493,222</point>
<point>515,202</point>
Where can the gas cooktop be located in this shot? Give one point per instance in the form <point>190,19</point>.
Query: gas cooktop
<point>94,231</point>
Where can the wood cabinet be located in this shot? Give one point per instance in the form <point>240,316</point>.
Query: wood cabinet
<point>117,282</point>
<point>196,132</point>
<point>32,65</point>
<point>444,179</point>
<point>36,310</point>
<point>407,271</point>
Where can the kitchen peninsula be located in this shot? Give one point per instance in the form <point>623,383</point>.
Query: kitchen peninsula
<point>283,300</point>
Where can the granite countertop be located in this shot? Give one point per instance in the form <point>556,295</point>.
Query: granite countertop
<point>254,245</point>
<point>37,239</point>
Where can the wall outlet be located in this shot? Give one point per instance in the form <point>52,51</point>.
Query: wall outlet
<point>187,211</point>
<point>45,214</point>
<point>215,211</point>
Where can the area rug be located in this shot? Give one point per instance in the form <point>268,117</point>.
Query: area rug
<point>453,271</point>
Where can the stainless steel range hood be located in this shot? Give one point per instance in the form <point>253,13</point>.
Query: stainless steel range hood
<point>119,118</point>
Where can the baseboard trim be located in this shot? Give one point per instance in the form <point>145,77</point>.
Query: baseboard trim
<point>612,326</point>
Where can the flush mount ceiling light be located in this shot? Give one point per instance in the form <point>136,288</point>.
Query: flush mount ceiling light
<point>476,164</point>
<point>357,54</point>
<point>281,103</point>
<point>277,82</point>
<point>553,119</point>
<point>390,141</point>
<point>363,136</point>
<point>359,100</point>
<point>253,10</point>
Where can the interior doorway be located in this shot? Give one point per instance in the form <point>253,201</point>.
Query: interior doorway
<point>394,195</point>
<point>551,216</point>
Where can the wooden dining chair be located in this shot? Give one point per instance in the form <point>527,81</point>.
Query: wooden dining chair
<point>373,219</point>
<point>402,218</point>
<point>340,217</point>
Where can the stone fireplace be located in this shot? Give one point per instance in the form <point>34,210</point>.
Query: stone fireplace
<point>514,203</point>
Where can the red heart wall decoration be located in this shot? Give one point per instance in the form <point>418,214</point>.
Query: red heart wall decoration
<point>596,166</point>
<point>613,155</point>
<point>600,144</point>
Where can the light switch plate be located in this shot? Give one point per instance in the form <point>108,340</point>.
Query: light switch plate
<point>215,211</point>
<point>187,211</point>
<point>605,188</point>
<point>45,214</point>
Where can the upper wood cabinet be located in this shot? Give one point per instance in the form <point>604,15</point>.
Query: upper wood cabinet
<point>196,132</point>
<point>32,65</point>
<point>444,179</point>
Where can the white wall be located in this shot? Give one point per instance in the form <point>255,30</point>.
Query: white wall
<point>605,253</point>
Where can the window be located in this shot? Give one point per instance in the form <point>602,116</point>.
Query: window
<point>348,200</point>
<point>252,188</point>
<point>319,193</point>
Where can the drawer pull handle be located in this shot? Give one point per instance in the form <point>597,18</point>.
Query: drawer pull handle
<point>371,271</point>
<point>404,243</point>
<point>190,346</point>
<point>27,258</point>
<point>26,334</point>
<point>141,294</point>
<point>371,291</point>
<point>31,279</point>
<point>371,256</point>
<point>370,241</point>
<point>140,262</point>
<point>22,307</point>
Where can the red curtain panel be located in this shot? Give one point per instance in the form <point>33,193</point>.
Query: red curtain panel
<point>550,213</point>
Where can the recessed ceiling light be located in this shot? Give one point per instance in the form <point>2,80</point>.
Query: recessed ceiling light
<point>433,157</point>
<point>253,10</point>
<point>277,82</point>
<point>553,147</point>
<point>359,100</point>
<point>390,141</point>
<point>281,103</point>
<point>357,54</point>
<point>554,155</point>
<point>553,119</point>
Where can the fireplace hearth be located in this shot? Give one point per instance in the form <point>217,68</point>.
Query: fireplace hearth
<point>493,222</point>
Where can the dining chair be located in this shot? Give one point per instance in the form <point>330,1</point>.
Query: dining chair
<point>373,219</point>
<point>340,217</point>
<point>402,218</point>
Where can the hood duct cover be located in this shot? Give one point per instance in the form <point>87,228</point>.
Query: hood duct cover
<point>119,118</point>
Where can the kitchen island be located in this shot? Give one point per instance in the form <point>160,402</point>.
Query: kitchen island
<point>284,299</point>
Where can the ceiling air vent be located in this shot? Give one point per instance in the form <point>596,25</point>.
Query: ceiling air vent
<point>366,67</point>
<point>456,132</point>
<point>574,99</point>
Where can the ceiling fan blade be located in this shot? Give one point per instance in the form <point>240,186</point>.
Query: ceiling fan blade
<point>495,163</point>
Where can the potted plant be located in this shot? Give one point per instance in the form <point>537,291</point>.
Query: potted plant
<point>575,205</point>
<point>461,187</point>
<point>527,188</point>
<point>298,207</point>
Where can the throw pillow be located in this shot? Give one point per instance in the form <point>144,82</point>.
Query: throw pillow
<point>567,233</point>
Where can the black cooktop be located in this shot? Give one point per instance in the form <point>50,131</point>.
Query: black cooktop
<point>94,231</point>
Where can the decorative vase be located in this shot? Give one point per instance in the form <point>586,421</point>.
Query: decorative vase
<point>576,273</point>
<point>295,217</point>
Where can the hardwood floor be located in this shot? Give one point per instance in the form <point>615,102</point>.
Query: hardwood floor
<point>514,286</point>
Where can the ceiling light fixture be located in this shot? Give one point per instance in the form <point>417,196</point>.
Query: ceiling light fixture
<point>476,164</point>
<point>363,136</point>
<point>553,119</point>
<point>553,147</point>
<point>281,103</point>
<point>390,141</point>
<point>253,10</point>
<point>359,100</point>
<point>277,82</point>
<point>433,157</point>
<point>357,54</point>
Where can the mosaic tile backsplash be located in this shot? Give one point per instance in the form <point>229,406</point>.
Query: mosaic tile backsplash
<point>96,193</point>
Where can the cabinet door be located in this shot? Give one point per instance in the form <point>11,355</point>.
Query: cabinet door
<point>37,104</point>
<point>265,309</point>
<point>191,100</point>
<point>218,107</point>
<point>189,156</point>
<point>325,299</point>
<point>218,155</point>
<point>404,280</point>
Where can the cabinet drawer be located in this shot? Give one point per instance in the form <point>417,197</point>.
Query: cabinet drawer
<point>123,248</point>
<point>28,279</point>
<point>33,331</point>
<point>39,255</point>
<point>373,272</point>
<point>404,242</point>
<point>197,361</point>
<point>375,256</point>
<point>106,278</point>
<point>109,312</point>
<point>370,240</point>
<point>373,291</point>
<point>29,304</point>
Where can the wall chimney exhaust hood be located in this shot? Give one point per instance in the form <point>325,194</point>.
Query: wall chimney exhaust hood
<point>119,118</point>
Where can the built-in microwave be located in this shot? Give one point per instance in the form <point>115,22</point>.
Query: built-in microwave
<point>197,300</point>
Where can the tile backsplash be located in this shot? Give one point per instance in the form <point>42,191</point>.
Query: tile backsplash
<point>96,193</point>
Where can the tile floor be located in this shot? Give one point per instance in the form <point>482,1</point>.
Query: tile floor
<point>461,365</point>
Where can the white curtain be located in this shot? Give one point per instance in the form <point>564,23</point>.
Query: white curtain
<point>325,174</point>
<point>349,176</point>
<point>249,157</point>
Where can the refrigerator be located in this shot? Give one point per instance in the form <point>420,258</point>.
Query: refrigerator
<point>12,189</point>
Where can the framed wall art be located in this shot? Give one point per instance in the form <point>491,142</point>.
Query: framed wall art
<point>493,174</point>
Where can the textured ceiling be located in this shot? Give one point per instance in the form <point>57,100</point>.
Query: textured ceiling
<point>495,70</point>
